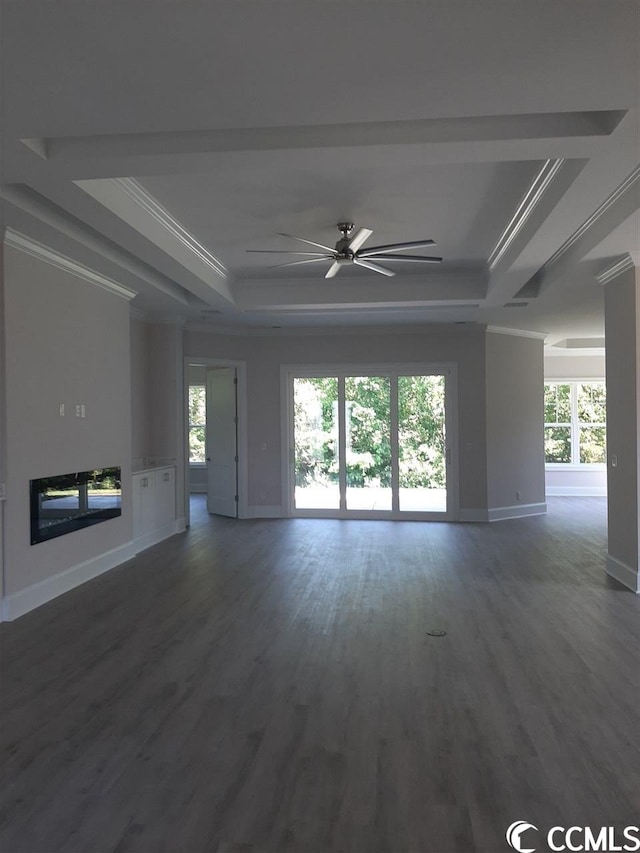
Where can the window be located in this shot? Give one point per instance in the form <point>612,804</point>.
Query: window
<point>197,424</point>
<point>575,423</point>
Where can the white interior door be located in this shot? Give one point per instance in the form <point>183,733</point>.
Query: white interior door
<point>222,441</point>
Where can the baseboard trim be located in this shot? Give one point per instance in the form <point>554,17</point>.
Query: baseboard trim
<point>626,575</point>
<point>16,605</point>
<point>576,491</point>
<point>159,535</point>
<point>198,490</point>
<point>502,513</point>
<point>265,512</point>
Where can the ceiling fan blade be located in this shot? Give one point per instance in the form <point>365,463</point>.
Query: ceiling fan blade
<point>359,238</point>
<point>395,247</point>
<point>370,266</point>
<point>333,270</point>
<point>283,252</point>
<point>308,261</point>
<point>310,242</point>
<point>428,259</point>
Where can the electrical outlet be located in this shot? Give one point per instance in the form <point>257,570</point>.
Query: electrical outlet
<point>78,410</point>
<point>614,460</point>
<point>61,410</point>
<point>82,410</point>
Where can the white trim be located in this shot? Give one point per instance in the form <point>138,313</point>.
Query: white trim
<point>624,574</point>
<point>538,187</point>
<point>71,227</point>
<point>576,491</point>
<point>40,593</point>
<point>242,414</point>
<point>176,525</point>
<point>265,512</point>
<point>614,270</point>
<point>554,351</point>
<point>359,310</point>
<point>148,203</point>
<point>344,331</point>
<point>585,467</point>
<point>43,253</point>
<point>502,513</point>
<point>597,214</point>
<point>517,333</point>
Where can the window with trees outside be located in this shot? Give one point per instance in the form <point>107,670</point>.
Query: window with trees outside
<point>575,429</point>
<point>197,424</point>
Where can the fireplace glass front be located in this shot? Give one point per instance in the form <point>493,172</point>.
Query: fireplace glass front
<point>69,502</point>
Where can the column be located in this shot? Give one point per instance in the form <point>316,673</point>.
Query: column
<point>622,333</point>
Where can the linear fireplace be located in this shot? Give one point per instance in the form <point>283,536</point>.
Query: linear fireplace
<point>70,502</point>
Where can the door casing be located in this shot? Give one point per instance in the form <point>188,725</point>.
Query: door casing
<point>243,467</point>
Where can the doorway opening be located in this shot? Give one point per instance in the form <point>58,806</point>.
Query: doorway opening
<point>215,423</point>
<point>372,442</point>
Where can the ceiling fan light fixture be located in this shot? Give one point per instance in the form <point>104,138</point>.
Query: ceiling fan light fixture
<point>348,250</point>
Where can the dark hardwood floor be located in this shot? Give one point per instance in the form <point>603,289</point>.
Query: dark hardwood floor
<point>271,686</point>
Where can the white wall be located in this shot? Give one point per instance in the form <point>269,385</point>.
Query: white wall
<point>3,424</point>
<point>515,431</point>
<point>265,355</point>
<point>622,322</point>
<point>165,379</point>
<point>574,367</point>
<point>67,341</point>
<point>141,448</point>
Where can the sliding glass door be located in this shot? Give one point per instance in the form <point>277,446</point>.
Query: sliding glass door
<point>371,444</point>
<point>367,457</point>
<point>422,448</point>
<point>315,418</point>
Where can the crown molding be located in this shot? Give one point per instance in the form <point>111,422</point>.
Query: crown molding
<point>597,214</point>
<point>538,187</point>
<point>52,216</point>
<point>517,333</point>
<point>337,331</point>
<point>153,208</point>
<point>38,250</point>
<point>551,351</point>
<point>608,274</point>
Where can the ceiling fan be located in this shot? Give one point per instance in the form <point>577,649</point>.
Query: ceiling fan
<point>348,250</point>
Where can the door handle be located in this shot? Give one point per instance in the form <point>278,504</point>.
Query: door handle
<point>208,459</point>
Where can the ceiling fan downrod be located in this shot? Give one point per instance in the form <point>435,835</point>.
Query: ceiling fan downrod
<point>342,246</point>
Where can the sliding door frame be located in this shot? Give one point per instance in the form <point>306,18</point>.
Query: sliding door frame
<point>289,372</point>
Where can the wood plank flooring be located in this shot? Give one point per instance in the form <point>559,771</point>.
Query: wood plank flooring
<point>271,686</point>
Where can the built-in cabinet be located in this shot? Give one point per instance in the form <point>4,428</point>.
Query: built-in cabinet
<point>154,505</point>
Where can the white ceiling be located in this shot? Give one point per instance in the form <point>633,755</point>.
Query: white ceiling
<point>157,141</point>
